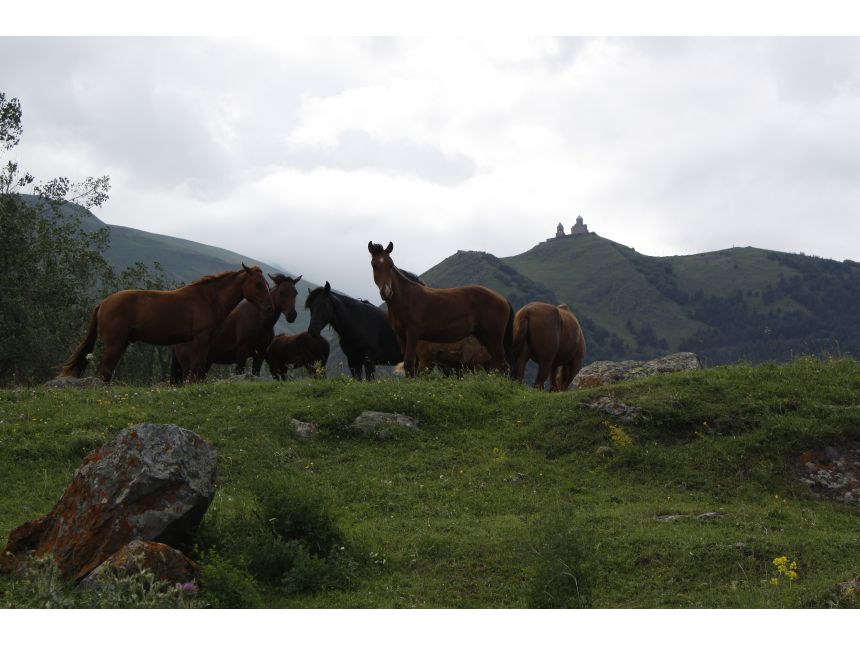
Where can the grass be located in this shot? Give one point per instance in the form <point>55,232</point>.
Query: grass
<point>503,498</point>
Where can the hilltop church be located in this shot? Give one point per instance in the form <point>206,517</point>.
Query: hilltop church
<point>578,229</point>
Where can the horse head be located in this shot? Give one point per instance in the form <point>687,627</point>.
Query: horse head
<point>320,304</point>
<point>284,295</point>
<point>256,290</point>
<point>383,269</point>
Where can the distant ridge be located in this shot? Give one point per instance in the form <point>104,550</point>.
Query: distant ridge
<point>729,305</point>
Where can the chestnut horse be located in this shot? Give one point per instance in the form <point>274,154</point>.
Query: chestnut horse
<point>246,332</point>
<point>302,349</point>
<point>551,337</point>
<point>190,313</point>
<point>419,313</point>
<point>465,354</point>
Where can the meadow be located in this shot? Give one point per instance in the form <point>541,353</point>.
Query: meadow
<point>504,497</point>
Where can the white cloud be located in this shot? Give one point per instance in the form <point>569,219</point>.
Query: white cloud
<point>299,151</point>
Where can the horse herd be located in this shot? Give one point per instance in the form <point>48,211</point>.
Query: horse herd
<point>229,317</point>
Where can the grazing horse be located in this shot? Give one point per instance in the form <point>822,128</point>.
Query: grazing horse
<point>302,349</point>
<point>246,332</point>
<point>188,314</point>
<point>465,354</point>
<point>366,337</point>
<point>551,337</point>
<point>417,312</point>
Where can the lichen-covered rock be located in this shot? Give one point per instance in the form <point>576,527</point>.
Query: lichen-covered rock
<point>375,424</point>
<point>612,406</point>
<point>166,563</point>
<point>601,373</point>
<point>303,430</point>
<point>152,482</point>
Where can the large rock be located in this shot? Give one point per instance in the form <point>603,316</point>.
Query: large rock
<point>166,563</point>
<point>601,373</point>
<point>152,482</point>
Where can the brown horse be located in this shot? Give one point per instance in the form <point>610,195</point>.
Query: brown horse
<point>246,332</point>
<point>190,313</point>
<point>303,349</point>
<point>551,337</point>
<point>424,313</point>
<point>465,354</point>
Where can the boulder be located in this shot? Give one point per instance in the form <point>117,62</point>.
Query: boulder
<point>152,482</point>
<point>375,424</point>
<point>615,408</point>
<point>601,373</point>
<point>166,563</point>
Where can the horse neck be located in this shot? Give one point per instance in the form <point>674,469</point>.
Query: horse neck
<point>402,285</point>
<point>269,321</point>
<point>226,292</point>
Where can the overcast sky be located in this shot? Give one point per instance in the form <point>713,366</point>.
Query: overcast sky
<point>297,152</point>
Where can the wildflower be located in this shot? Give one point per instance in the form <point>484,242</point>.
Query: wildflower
<point>774,581</point>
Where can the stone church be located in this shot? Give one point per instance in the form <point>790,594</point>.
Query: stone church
<point>578,229</point>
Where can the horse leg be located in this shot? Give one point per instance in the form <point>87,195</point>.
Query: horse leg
<point>544,371</point>
<point>240,365</point>
<point>354,367</point>
<point>256,364</point>
<point>521,361</point>
<point>112,353</point>
<point>409,353</point>
<point>369,370</point>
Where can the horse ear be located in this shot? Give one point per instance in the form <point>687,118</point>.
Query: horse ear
<point>389,248</point>
<point>370,247</point>
<point>272,277</point>
<point>296,280</point>
<point>327,287</point>
<point>245,267</point>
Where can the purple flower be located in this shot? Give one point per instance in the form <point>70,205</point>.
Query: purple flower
<point>188,587</point>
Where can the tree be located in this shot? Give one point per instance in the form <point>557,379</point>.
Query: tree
<point>51,269</point>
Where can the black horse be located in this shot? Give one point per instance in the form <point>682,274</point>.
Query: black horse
<point>365,335</point>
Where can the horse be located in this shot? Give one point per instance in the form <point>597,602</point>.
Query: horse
<point>465,354</point>
<point>552,337</point>
<point>301,349</point>
<point>366,337</point>
<point>187,314</point>
<point>246,332</point>
<point>417,312</point>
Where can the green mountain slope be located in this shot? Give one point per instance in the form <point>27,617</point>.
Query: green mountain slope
<point>727,305</point>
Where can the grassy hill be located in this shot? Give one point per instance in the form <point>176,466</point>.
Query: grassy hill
<point>729,305</point>
<point>505,497</point>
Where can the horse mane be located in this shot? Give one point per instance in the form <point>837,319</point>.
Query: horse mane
<point>413,277</point>
<point>375,248</point>
<point>208,278</point>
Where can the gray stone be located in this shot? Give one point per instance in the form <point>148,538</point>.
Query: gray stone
<point>669,518</point>
<point>379,425</point>
<point>613,407</point>
<point>304,430</point>
<point>601,373</point>
<point>75,382</point>
<point>153,482</point>
<point>709,515</point>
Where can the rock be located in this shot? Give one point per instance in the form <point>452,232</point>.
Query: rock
<point>605,450</point>
<point>612,406</point>
<point>669,518</point>
<point>304,430</point>
<point>153,482</point>
<point>166,563</point>
<point>74,382</point>
<point>709,515</point>
<point>601,373</point>
<point>375,424</point>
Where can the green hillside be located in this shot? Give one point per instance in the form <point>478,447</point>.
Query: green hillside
<point>504,497</point>
<point>729,305</point>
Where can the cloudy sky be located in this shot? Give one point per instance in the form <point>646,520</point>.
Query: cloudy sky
<point>299,151</point>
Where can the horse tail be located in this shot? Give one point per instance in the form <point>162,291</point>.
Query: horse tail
<point>75,365</point>
<point>176,375</point>
<point>509,339</point>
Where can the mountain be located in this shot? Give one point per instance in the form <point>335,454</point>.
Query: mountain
<point>182,260</point>
<point>729,305</point>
